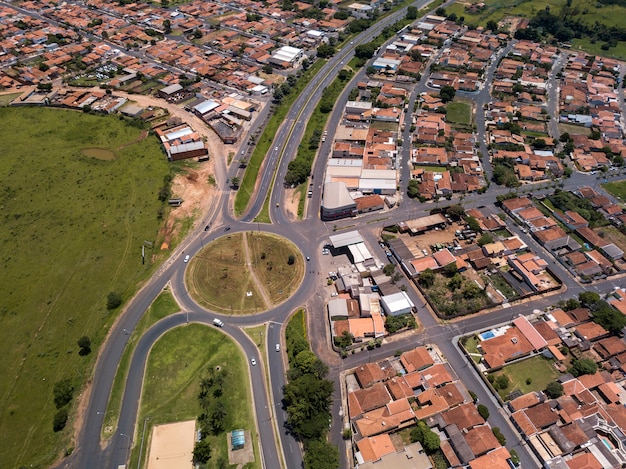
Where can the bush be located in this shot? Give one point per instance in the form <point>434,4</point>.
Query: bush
<point>63,392</point>
<point>529,381</point>
<point>483,411</point>
<point>502,382</point>
<point>473,396</point>
<point>554,390</point>
<point>291,259</point>
<point>584,366</point>
<point>84,343</point>
<point>60,419</point>
<point>499,436</point>
<point>114,300</point>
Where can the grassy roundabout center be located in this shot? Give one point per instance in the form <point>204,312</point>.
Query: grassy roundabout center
<point>245,273</point>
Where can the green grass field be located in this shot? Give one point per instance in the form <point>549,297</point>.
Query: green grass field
<point>540,370</point>
<point>459,113</point>
<point>72,229</point>
<point>163,305</point>
<point>588,12</point>
<point>219,276</point>
<point>175,367</point>
<point>617,188</point>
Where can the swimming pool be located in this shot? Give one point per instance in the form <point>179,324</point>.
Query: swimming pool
<point>607,443</point>
<point>487,335</point>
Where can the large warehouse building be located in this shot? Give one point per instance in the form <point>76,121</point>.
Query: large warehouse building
<point>337,202</point>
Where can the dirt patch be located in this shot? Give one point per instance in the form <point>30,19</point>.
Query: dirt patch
<point>243,455</point>
<point>172,446</point>
<point>196,192</point>
<point>292,199</point>
<point>99,154</point>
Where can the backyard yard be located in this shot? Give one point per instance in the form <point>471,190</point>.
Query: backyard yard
<point>532,374</point>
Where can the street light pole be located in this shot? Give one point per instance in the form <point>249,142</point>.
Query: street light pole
<point>141,446</point>
<point>130,444</point>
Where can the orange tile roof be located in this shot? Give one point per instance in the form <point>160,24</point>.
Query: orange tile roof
<point>497,459</point>
<point>375,447</point>
<point>464,416</point>
<point>416,359</point>
<point>481,440</point>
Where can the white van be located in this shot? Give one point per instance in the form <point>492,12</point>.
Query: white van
<point>218,323</point>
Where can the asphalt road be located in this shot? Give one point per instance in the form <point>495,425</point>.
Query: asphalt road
<point>308,235</point>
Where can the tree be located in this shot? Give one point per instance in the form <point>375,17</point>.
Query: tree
<point>388,269</point>
<point>426,278</point>
<point>202,451</point>
<point>291,259</point>
<point>472,223</point>
<point>267,68</point>
<point>429,439</point>
<point>492,25</point>
<point>234,182</point>
<point>447,93</point>
<point>325,50</point>
<point>455,211</point>
<point>450,270</point>
<point>63,393</point>
<point>486,238</point>
<point>320,454</point>
<point>365,51</point>
<point>582,366</point>
<point>167,26</point>
<point>440,11</point>
<point>411,13</point>
<point>499,436</point>
<point>455,282</point>
<point>114,300</point>
<point>554,390</point>
<point>84,343</point>
<point>60,419</point>
<point>483,411</point>
<point>502,382</point>
<point>413,188</point>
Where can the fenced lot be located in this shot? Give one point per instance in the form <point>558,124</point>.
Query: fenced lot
<point>72,230</point>
<point>539,370</point>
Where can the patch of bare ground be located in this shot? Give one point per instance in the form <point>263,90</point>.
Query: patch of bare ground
<point>193,188</point>
<point>292,199</point>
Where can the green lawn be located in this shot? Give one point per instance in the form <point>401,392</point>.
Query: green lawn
<point>618,52</point>
<point>471,345</point>
<point>588,12</point>
<point>175,367</point>
<point>540,370</point>
<point>72,230</point>
<point>617,188</point>
<point>459,112</point>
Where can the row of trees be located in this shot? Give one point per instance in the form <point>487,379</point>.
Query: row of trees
<point>212,419</point>
<point>307,398</point>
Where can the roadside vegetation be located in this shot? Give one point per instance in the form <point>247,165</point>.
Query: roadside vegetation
<point>308,397</point>
<point>72,230</point>
<point>162,306</point>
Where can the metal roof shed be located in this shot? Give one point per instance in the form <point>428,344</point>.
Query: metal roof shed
<point>346,239</point>
<point>397,304</point>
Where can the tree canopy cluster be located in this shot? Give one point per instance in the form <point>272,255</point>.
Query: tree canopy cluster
<point>428,438</point>
<point>565,200</point>
<point>307,398</point>
<point>565,25</point>
<point>602,312</point>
